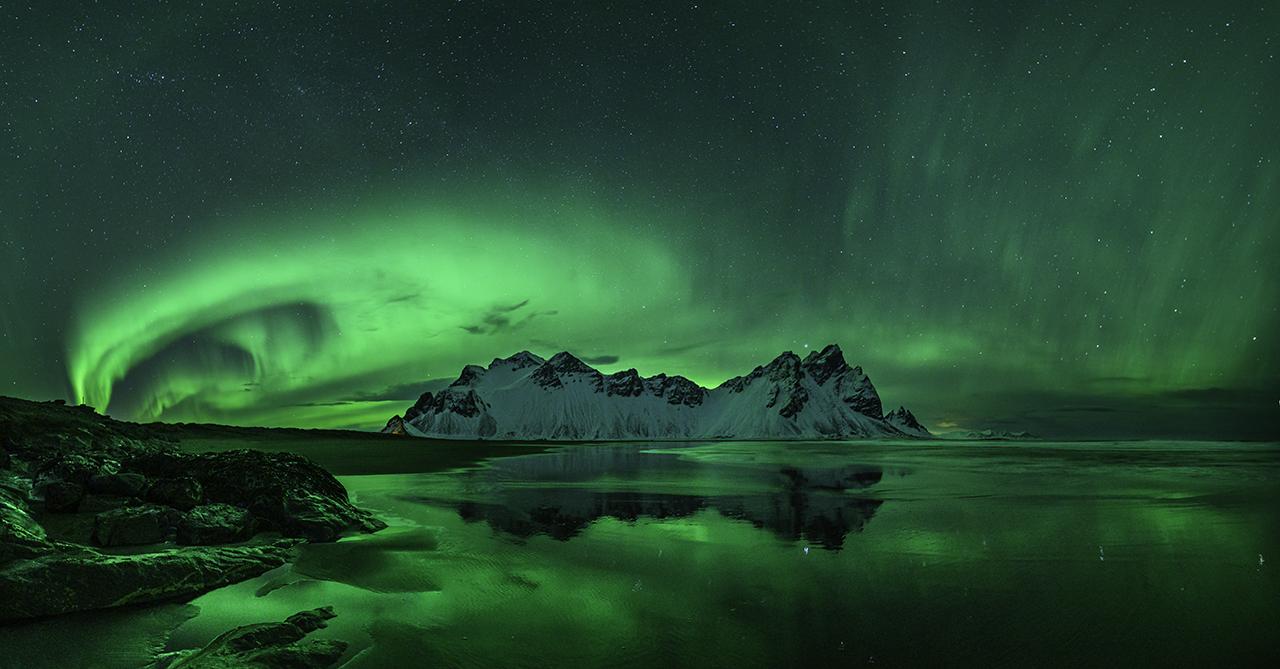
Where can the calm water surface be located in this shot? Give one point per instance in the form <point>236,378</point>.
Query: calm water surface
<point>814,554</point>
<point>794,554</point>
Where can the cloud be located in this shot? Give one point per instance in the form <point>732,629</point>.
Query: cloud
<point>403,391</point>
<point>683,348</point>
<point>599,359</point>
<point>502,318</point>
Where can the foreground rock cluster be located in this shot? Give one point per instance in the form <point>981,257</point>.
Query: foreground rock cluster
<point>79,493</point>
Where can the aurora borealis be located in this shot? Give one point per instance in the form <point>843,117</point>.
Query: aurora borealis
<point>1060,218</point>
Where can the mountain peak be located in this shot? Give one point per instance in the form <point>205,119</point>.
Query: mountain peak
<point>519,360</point>
<point>625,383</point>
<point>827,351</point>
<point>906,421</point>
<point>784,358</point>
<point>786,365</point>
<point>565,361</point>
<point>469,375</point>
<point>548,375</point>
<point>824,364</point>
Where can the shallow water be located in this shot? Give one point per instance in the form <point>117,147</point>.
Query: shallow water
<point>801,554</point>
<point>818,554</point>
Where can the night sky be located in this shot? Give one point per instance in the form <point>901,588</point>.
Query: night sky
<point>1057,217</point>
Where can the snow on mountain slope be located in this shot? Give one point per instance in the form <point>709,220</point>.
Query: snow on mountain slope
<point>563,398</point>
<point>906,422</point>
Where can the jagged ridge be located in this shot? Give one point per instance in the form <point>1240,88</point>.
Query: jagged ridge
<point>562,398</point>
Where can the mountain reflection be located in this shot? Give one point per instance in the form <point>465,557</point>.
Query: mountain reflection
<point>561,494</point>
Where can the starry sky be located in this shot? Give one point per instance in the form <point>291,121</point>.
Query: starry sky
<point>1055,217</point>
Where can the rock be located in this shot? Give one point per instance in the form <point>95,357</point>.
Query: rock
<point>289,493</point>
<point>62,496</point>
<point>270,646</point>
<point>179,492</point>
<point>15,485</point>
<point>99,503</point>
<point>310,621</point>
<point>81,580</point>
<point>134,526</point>
<point>215,524</point>
<point>73,467</point>
<point>119,484</point>
<point>20,535</point>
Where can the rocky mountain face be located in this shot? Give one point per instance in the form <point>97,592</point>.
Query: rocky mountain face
<point>563,398</point>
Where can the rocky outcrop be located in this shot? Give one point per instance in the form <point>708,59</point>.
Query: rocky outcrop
<point>625,384</point>
<point>69,579</point>
<point>280,645</point>
<point>676,390</point>
<point>285,492</point>
<point>282,492</point>
<point>128,487</point>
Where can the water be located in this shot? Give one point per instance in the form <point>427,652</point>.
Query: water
<point>797,554</point>
<point>773,554</point>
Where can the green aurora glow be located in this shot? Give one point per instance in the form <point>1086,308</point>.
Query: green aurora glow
<point>1061,219</point>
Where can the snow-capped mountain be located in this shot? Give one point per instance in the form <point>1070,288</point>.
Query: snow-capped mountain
<point>564,399</point>
<point>906,422</point>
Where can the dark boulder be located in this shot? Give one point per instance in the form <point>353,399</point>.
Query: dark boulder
<point>118,484</point>
<point>270,646</point>
<point>134,526</point>
<point>80,580</point>
<point>179,492</point>
<point>215,524</point>
<point>62,496</point>
<point>288,492</point>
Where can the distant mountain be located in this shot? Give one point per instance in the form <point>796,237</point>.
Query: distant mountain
<point>989,435</point>
<point>564,399</point>
<point>906,422</point>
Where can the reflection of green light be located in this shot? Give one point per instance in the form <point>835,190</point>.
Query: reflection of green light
<point>985,569</point>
